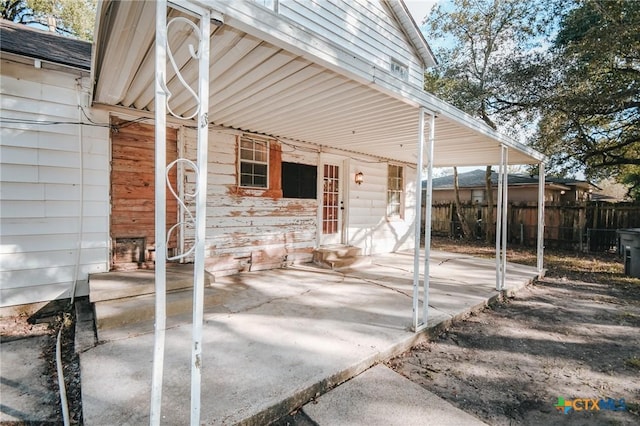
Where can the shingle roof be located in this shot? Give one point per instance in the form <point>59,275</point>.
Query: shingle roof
<point>26,41</point>
<point>475,179</point>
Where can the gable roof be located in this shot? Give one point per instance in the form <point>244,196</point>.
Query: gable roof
<point>399,9</point>
<point>475,179</point>
<point>30,42</point>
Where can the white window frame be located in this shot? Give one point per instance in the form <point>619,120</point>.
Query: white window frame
<point>398,188</point>
<point>399,69</point>
<point>253,160</point>
<point>268,4</point>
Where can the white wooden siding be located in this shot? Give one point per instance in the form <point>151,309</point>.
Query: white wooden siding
<point>368,28</point>
<point>368,226</point>
<point>248,231</point>
<point>262,230</point>
<point>40,187</point>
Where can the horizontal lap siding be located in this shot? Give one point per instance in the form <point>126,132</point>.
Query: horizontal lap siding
<point>367,28</point>
<point>368,226</point>
<point>42,187</point>
<point>249,231</point>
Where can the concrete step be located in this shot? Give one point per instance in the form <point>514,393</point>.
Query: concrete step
<point>335,252</point>
<point>339,257</point>
<point>350,262</point>
<point>122,284</point>
<point>140,310</point>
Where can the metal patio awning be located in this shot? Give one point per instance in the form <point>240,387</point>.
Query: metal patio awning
<point>260,73</point>
<point>281,80</point>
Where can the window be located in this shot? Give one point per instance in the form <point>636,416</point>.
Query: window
<point>400,70</point>
<point>299,180</point>
<point>477,195</point>
<point>395,191</point>
<point>269,4</point>
<point>254,163</point>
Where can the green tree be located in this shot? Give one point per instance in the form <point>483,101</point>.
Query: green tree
<point>14,10</point>
<point>480,43</point>
<point>71,17</point>
<point>591,115</point>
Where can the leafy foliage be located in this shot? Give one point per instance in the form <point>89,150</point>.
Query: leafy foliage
<point>591,117</point>
<point>571,68</point>
<point>72,17</point>
<point>484,42</point>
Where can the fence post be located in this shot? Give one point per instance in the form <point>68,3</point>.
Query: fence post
<point>588,240</point>
<point>582,250</point>
<point>521,234</point>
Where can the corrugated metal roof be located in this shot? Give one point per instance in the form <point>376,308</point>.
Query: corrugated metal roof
<point>273,77</point>
<point>33,43</point>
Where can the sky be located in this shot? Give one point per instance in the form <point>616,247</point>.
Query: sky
<point>419,9</point>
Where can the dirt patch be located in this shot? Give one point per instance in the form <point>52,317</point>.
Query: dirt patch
<point>35,337</point>
<point>562,337</point>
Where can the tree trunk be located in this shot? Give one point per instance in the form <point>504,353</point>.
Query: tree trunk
<point>490,223</point>
<point>466,230</point>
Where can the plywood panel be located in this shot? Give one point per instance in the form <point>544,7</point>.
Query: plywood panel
<point>133,182</point>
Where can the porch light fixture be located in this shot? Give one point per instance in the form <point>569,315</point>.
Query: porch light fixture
<point>359,178</point>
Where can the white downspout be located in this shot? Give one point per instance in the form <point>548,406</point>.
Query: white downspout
<point>76,272</point>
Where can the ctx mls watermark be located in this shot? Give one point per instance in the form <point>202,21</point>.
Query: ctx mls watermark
<point>590,404</point>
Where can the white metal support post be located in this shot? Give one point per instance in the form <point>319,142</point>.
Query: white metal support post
<point>201,216</point>
<point>418,220</point>
<point>505,207</point>
<point>540,250</point>
<point>420,323</point>
<point>427,217</point>
<point>160,213</point>
<point>199,53</point>
<point>499,223</point>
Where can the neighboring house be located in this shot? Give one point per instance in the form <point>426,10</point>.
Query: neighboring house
<point>579,190</point>
<point>312,140</point>
<point>521,189</point>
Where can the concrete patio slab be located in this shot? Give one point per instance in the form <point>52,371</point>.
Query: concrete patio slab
<point>282,337</point>
<point>25,396</point>
<point>380,396</point>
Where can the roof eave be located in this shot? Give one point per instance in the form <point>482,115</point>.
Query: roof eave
<point>409,26</point>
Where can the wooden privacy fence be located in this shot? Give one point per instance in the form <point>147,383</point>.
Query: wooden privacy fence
<point>586,226</point>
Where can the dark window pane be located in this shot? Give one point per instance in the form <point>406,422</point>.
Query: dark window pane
<point>299,180</point>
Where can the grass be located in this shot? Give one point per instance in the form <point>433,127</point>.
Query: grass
<point>633,362</point>
<point>586,267</point>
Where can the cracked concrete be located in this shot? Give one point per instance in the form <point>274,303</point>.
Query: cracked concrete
<point>281,337</point>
